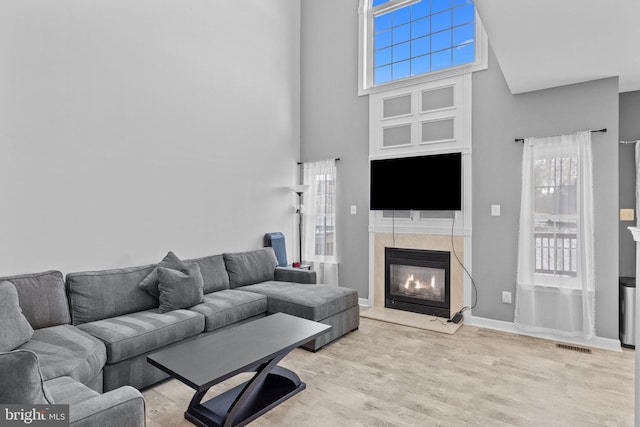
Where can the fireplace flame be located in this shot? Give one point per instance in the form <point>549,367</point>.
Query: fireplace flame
<point>408,282</point>
<point>416,284</point>
<point>412,283</point>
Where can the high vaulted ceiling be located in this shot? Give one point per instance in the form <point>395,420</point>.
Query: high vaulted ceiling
<point>547,43</point>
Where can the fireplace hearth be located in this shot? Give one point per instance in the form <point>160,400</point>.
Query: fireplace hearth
<point>418,281</point>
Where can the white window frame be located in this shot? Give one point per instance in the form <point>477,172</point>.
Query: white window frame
<point>365,51</point>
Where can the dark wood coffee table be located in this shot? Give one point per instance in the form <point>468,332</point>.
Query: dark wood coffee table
<point>257,347</point>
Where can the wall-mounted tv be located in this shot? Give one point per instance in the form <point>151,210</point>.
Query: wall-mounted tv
<point>423,183</point>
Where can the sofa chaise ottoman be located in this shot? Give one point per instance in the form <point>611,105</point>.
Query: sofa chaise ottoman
<point>254,272</point>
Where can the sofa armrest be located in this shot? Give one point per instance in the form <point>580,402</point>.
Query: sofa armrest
<point>297,275</point>
<point>122,407</point>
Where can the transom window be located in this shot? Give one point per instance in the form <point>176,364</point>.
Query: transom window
<point>425,36</point>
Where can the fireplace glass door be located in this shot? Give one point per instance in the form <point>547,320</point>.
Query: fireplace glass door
<point>418,282</point>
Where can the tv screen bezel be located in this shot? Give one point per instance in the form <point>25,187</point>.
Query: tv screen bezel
<point>418,204</point>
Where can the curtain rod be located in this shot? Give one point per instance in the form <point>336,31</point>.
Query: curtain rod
<point>630,141</point>
<point>592,131</point>
<point>337,159</point>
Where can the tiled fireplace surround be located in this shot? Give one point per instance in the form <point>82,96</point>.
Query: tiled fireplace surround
<point>425,242</point>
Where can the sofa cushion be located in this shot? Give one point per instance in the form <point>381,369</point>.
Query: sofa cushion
<point>214,272</point>
<point>150,283</point>
<point>179,289</point>
<point>313,302</point>
<point>137,333</point>
<point>42,298</point>
<point>223,308</point>
<point>247,268</point>
<point>68,391</point>
<point>15,330</point>
<point>65,350</point>
<point>97,295</point>
<point>21,380</point>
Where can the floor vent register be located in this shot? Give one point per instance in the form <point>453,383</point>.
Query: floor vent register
<point>573,348</point>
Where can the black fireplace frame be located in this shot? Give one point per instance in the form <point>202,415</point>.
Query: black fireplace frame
<point>416,258</point>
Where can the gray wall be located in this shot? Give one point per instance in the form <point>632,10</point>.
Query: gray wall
<point>128,129</point>
<point>629,130</point>
<point>499,118</point>
<point>335,123</point>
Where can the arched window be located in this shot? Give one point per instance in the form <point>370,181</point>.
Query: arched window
<point>403,39</point>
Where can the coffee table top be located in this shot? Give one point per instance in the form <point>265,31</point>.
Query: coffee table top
<point>208,360</point>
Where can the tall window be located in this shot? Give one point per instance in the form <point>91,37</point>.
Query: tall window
<point>319,235</point>
<point>555,212</point>
<point>422,37</point>
<point>555,284</point>
<point>325,229</point>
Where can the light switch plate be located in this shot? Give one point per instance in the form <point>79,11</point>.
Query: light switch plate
<point>495,210</point>
<point>354,209</point>
<point>626,214</point>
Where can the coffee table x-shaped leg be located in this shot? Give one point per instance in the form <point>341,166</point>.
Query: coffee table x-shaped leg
<point>270,386</point>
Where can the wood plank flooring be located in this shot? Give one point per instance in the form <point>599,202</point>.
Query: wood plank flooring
<point>391,375</point>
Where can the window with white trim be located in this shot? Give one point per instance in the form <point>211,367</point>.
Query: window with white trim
<point>404,39</point>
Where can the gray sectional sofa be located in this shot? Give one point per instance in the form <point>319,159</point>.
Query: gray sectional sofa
<point>97,328</point>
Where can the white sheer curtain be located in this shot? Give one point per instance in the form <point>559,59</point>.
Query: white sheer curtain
<point>319,232</point>
<point>555,289</point>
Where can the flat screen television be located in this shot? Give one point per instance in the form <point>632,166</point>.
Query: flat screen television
<point>423,183</point>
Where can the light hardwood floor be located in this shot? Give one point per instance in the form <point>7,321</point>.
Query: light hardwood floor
<point>391,375</point>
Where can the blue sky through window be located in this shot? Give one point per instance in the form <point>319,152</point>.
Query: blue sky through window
<point>426,36</point>
<point>375,3</point>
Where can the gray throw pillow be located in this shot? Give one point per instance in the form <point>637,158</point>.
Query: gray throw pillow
<point>15,330</point>
<point>180,289</point>
<point>20,379</point>
<point>150,283</point>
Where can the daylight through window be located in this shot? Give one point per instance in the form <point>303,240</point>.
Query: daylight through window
<point>555,232</point>
<point>425,36</point>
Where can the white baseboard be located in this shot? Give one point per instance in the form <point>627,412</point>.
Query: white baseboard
<point>499,325</point>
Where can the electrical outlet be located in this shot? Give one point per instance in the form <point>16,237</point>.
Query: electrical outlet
<point>626,214</point>
<point>506,297</point>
